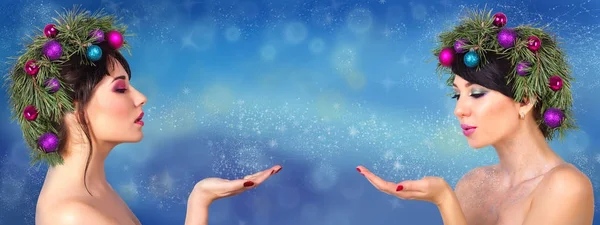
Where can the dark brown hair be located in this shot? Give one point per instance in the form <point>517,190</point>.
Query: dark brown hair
<point>82,79</point>
<point>494,76</point>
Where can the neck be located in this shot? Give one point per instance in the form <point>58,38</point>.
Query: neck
<point>526,154</point>
<point>76,156</point>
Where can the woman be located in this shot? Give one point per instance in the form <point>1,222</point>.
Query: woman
<point>512,97</point>
<point>74,102</point>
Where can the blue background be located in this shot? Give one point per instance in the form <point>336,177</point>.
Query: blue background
<point>316,86</point>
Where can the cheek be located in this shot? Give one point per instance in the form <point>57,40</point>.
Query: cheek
<point>498,116</point>
<point>108,111</point>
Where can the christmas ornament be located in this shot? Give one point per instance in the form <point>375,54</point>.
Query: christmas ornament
<point>50,31</point>
<point>523,68</point>
<point>48,142</point>
<point>499,19</point>
<point>52,85</point>
<point>52,49</point>
<point>459,46</point>
<point>114,38</point>
<point>30,113</point>
<point>31,68</point>
<point>556,83</point>
<point>98,35</point>
<point>534,43</point>
<point>446,56</point>
<point>471,58</point>
<point>507,37</point>
<point>94,52</point>
<point>553,117</point>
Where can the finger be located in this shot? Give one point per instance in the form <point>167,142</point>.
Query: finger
<point>269,171</point>
<point>266,174</point>
<point>376,181</point>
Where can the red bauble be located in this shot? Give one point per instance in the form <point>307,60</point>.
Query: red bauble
<point>499,19</point>
<point>534,43</point>
<point>31,68</point>
<point>555,82</point>
<point>50,31</point>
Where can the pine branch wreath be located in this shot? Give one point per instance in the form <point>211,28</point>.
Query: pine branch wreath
<point>540,66</point>
<point>38,96</point>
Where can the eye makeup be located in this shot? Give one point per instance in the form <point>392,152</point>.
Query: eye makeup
<point>120,86</point>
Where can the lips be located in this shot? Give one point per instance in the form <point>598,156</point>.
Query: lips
<point>468,129</point>
<point>139,119</point>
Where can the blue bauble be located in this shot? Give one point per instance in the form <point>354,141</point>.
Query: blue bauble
<point>471,59</point>
<point>94,52</point>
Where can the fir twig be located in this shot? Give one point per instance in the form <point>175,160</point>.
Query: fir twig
<point>477,27</point>
<point>74,27</point>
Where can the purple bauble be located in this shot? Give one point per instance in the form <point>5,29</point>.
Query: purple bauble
<point>459,44</point>
<point>30,113</point>
<point>52,85</point>
<point>114,38</point>
<point>507,38</point>
<point>98,34</point>
<point>48,142</point>
<point>446,57</point>
<point>52,49</point>
<point>553,117</point>
<point>522,68</point>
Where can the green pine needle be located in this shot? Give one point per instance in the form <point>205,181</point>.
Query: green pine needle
<point>74,27</point>
<point>549,61</point>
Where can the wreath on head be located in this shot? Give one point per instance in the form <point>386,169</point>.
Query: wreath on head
<point>38,96</point>
<point>540,68</point>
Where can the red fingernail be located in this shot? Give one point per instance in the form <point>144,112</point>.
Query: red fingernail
<point>272,172</point>
<point>277,171</point>
<point>399,188</point>
<point>358,169</point>
<point>248,183</point>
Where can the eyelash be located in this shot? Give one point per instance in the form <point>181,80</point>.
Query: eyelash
<point>456,96</point>
<point>121,90</point>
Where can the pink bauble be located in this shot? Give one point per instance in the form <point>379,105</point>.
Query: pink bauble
<point>114,38</point>
<point>50,31</point>
<point>446,57</point>
<point>30,113</point>
<point>499,19</point>
<point>31,68</point>
<point>555,82</point>
<point>534,43</point>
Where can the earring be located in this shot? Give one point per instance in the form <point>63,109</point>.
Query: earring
<point>522,115</point>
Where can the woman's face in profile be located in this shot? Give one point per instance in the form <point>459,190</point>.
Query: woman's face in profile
<point>115,108</point>
<point>486,116</point>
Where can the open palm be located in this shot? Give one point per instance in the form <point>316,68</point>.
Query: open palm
<point>215,188</point>
<point>431,189</point>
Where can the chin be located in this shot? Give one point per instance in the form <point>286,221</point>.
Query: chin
<point>476,144</point>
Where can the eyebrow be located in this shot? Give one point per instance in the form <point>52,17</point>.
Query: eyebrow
<point>122,77</point>
<point>466,85</point>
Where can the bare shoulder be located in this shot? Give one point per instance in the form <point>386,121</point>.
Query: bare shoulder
<point>564,196</point>
<point>71,212</point>
<point>565,180</point>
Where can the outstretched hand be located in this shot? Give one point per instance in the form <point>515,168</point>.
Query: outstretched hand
<point>211,189</point>
<point>431,189</point>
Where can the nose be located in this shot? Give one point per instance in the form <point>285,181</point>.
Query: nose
<point>462,109</point>
<point>139,98</point>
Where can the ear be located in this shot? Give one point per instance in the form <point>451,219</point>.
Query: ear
<point>526,105</point>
